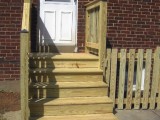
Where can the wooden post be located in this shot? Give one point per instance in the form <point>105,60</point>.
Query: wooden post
<point>24,59</point>
<point>24,74</point>
<point>102,32</point>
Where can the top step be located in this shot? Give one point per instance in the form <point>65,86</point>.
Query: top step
<point>63,56</point>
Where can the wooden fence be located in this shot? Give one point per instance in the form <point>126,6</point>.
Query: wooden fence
<point>134,78</point>
<point>95,34</point>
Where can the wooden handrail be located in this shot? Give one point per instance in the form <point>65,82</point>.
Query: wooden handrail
<point>96,24</point>
<point>24,59</point>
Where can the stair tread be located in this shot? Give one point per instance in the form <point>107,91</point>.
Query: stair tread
<point>96,84</point>
<point>108,116</point>
<point>72,101</point>
<point>66,70</point>
<point>64,56</point>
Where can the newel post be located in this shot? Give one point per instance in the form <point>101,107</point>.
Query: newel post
<point>24,73</point>
<point>103,32</point>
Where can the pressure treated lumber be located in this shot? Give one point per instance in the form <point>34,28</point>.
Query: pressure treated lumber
<point>71,106</point>
<point>68,89</point>
<point>96,84</point>
<point>130,78</point>
<point>147,79</point>
<point>68,77</point>
<point>107,66</point>
<point>63,56</point>
<point>66,70</point>
<point>49,63</point>
<point>108,116</point>
<point>122,78</point>
<point>24,59</point>
<point>155,78</point>
<point>113,74</point>
<point>138,79</point>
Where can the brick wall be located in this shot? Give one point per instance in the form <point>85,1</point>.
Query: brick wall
<point>131,23</point>
<point>10,24</point>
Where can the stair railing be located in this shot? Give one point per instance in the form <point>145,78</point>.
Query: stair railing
<point>24,58</point>
<point>96,24</point>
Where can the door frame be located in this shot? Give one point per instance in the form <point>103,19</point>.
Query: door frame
<point>76,25</point>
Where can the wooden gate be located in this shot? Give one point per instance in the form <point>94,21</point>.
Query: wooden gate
<point>134,78</point>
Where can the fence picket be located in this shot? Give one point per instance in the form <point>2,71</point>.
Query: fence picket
<point>122,78</point>
<point>155,78</point>
<point>138,79</point>
<point>147,79</point>
<point>108,65</point>
<point>130,78</point>
<point>158,101</point>
<point>113,74</point>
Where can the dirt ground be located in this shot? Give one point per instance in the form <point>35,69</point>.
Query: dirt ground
<point>11,116</point>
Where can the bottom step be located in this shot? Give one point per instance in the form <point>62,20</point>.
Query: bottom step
<point>108,116</point>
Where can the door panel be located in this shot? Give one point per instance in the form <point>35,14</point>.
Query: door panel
<point>66,26</point>
<point>50,23</point>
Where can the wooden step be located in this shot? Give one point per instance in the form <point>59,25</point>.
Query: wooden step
<point>71,106</point>
<point>108,116</point>
<point>66,70</point>
<point>63,60</point>
<point>66,75</point>
<point>69,77</point>
<point>68,89</point>
<point>64,56</point>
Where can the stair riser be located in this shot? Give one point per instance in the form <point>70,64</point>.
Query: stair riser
<point>71,109</point>
<point>63,64</point>
<point>65,77</point>
<point>68,92</point>
<point>108,116</point>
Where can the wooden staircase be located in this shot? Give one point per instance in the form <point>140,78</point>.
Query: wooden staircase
<point>68,86</point>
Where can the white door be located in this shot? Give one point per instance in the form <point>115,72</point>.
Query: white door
<point>57,22</point>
